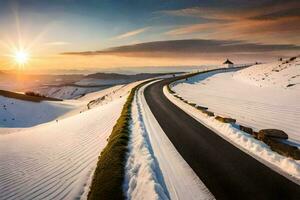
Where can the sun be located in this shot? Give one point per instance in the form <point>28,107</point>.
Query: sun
<point>21,57</point>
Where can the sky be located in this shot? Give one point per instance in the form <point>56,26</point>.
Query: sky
<point>85,34</point>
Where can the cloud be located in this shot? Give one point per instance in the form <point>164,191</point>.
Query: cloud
<point>281,31</point>
<point>130,33</point>
<point>271,9</point>
<point>57,43</point>
<point>276,23</point>
<point>194,28</point>
<point>189,48</point>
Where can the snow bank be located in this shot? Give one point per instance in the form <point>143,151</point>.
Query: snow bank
<point>142,180</point>
<point>230,94</point>
<point>259,150</point>
<point>155,170</point>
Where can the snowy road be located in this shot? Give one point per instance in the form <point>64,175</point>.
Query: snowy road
<point>154,169</point>
<point>228,172</point>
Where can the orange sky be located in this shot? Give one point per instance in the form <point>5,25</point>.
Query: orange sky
<point>60,35</point>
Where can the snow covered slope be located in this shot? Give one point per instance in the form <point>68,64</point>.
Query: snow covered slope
<point>67,92</point>
<point>246,96</point>
<point>19,113</point>
<point>284,74</point>
<point>56,160</point>
<point>285,166</point>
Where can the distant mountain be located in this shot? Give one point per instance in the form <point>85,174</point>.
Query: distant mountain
<point>123,76</point>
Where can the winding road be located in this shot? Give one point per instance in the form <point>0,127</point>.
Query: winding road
<point>227,172</point>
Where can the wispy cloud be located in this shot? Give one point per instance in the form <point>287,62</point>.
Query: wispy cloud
<point>274,10</point>
<point>130,33</point>
<point>189,48</point>
<point>193,28</point>
<point>57,43</point>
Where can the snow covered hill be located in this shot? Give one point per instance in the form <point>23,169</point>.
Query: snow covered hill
<point>261,96</point>
<point>67,92</point>
<point>19,113</point>
<point>284,74</point>
<point>56,160</point>
<point>69,86</point>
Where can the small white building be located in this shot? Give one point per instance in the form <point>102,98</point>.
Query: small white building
<point>228,64</point>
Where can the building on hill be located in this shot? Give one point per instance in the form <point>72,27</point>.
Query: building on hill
<point>228,64</point>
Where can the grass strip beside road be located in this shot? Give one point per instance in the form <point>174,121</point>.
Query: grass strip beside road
<point>109,175</point>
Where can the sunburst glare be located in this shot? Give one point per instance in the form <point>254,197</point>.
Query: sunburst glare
<point>21,57</point>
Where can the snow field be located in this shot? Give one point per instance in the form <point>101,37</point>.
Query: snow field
<point>67,92</point>
<point>56,160</point>
<point>278,74</point>
<point>19,113</point>
<point>109,94</point>
<point>154,169</point>
<point>15,113</point>
<point>259,150</point>
<point>251,105</point>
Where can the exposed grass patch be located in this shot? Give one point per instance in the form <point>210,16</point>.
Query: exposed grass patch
<point>109,175</point>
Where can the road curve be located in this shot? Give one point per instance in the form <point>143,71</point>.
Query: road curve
<point>228,172</point>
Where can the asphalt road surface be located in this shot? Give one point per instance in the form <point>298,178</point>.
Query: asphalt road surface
<point>227,172</point>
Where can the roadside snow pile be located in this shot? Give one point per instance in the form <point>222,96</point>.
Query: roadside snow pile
<point>262,152</point>
<point>19,113</point>
<point>56,160</point>
<point>154,169</point>
<point>142,179</point>
<point>239,96</point>
<point>284,74</point>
